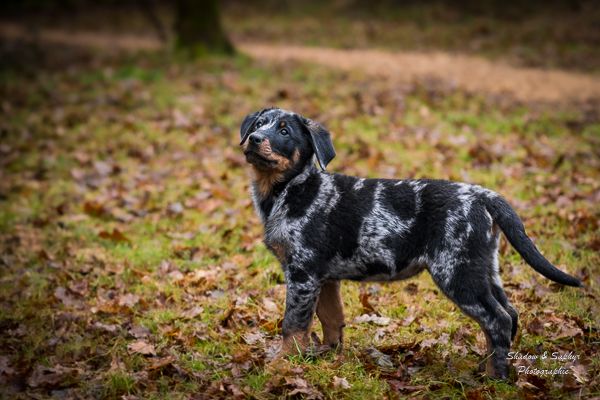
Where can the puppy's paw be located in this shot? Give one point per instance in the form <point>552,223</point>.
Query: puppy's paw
<point>319,346</point>
<point>315,340</point>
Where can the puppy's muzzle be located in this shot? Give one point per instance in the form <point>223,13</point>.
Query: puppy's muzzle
<point>258,151</point>
<point>256,139</point>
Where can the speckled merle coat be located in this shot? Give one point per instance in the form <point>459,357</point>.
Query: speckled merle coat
<point>326,227</point>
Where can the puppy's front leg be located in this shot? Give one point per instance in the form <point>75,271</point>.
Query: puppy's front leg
<point>330,311</point>
<point>300,301</point>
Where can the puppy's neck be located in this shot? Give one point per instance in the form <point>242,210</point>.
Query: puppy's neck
<point>268,185</point>
<point>264,182</point>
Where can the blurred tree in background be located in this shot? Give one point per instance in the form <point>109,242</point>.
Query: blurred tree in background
<point>198,28</point>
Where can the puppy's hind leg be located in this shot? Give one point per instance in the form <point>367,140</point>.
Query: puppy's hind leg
<point>467,286</point>
<point>501,297</point>
<point>330,311</point>
<point>496,285</point>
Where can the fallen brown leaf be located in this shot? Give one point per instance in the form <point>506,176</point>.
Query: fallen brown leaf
<point>160,363</point>
<point>5,368</point>
<point>411,288</point>
<point>103,168</point>
<point>406,387</point>
<point>236,392</point>
<point>427,343</point>
<point>95,209</point>
<point>270,306</point>
<point>566,331</point>
<point>69,301</point>
<point>110,328</point>
<point>377,320</point>
<point>52,377</point>
<point>128,300</point>
<point>364,300</point>
<point>142,347</point>
<point>192,312</point>
<point>116,236</point>
<point>580,373</point>
<point>341,383</point>
<point>300,387</point>
<point>380,359</point>
<point>536,326</point>
<point>408,320</point>
<point>80,287</point>
<point>175,208</point>
<point>254,338</point>
<point>476,394</point>
<point>139,331</point>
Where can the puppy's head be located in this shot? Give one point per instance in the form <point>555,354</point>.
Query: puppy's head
<point>277,141</point>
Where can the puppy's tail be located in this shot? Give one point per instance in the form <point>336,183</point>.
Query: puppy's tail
<point>510,223</point>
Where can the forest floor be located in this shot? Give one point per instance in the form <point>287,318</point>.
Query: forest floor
<point>131,259</point>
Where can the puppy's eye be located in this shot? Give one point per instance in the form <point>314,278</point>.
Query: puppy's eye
<point>259,124</point>
<point>284,132</point>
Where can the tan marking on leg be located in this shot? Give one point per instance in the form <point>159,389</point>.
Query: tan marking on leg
<point>489,365</point>
<point>330,311</point>
<point>495,229</point>
<point>280,251</point>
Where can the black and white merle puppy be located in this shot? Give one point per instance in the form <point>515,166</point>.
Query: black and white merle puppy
<point>324,228</point>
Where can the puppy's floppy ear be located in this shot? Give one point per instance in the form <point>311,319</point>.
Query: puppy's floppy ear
<point>320,140</point>
<point>248,123</point>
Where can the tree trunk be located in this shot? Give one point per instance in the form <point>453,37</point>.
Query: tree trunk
<point>198,28</point>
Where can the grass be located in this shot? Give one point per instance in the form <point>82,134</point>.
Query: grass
<point>131,137</point>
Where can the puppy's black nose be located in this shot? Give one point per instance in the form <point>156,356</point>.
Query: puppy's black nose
<point>256,139</point>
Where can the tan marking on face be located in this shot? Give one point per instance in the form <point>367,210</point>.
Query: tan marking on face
<point>265,148</point>
<point>283,164</point>
<point>296,156</point>
<point>282,124</point>
<point>266,179</point>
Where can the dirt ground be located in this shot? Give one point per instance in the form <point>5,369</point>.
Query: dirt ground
<point>465,72</point>
<point>470,73</point>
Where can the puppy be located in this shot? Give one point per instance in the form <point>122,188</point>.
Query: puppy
<point>324,228</point>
